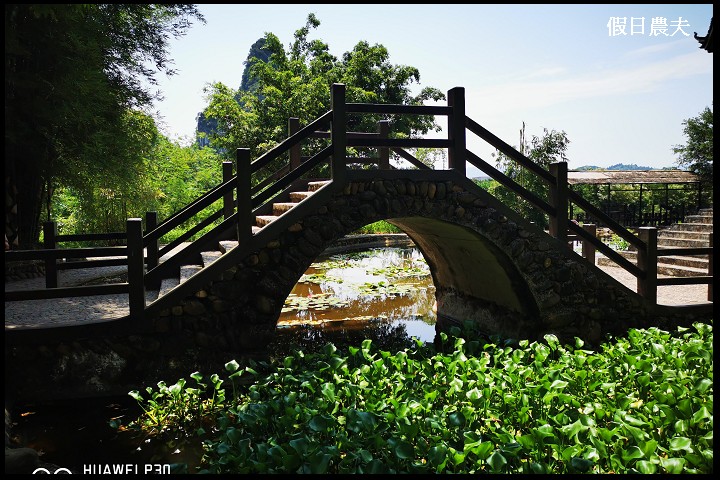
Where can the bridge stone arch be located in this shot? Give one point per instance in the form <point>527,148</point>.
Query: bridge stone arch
<point>489,266</point>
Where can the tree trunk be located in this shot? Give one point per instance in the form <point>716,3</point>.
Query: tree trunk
<point>23,206</point>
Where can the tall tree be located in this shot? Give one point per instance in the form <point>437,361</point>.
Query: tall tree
<point>295,82</point>
<point>697,153</point>
<point>73,74</point>
<point>544,150</point>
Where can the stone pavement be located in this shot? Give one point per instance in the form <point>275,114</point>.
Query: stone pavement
<point>99,308</point>
<point>66,311</point>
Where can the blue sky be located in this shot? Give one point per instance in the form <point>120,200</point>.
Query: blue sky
<point>619,98</point>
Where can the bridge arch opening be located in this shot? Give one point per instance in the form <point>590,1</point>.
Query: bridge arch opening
<point>468,273</point>
<point>375,286</point>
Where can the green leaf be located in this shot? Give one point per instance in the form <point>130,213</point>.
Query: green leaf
<point>136,395</point>
<point>232,366</point>
<point>328,391</point>
<point>474,395</point>
<point>404,450</point>
<point>645,467</point>
<point>702,414</point>
<point>632,453</point>
<point>672,465</point>
<point>300,445</point>
<point>437,455</point>
<point>681,443</point>
<point>456,419</point>
<point>558,385</point>
<point>580,464</point>
<point>366,456</point>
<point>702,385</point>
<point>497,462</point>
<point>319,463</point>
<point>319,423</point>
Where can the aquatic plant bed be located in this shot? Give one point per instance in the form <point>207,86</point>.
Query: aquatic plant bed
<point>640,404</point>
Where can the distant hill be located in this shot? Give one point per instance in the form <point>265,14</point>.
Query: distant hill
<point>617,166</point>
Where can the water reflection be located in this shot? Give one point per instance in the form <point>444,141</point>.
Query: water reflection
<point>379,291</point>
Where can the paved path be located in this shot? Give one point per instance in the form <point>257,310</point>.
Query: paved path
<point>98,308</point>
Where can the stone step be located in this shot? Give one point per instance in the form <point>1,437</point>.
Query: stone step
<point>263,220</point>
<point>299,196</point>
<point>151,296</point>
<point>680,234</point>
<point>227,245</point>
<point>692,227</point>
<point>700,262</point>
<point>664,268</point>
<point>681,242</point>
<point>210,257</point>
<point>187,271</point>
<point>314,186</point>
<point>280,208</point>
<point>699,218</point>
<point>168,284</point>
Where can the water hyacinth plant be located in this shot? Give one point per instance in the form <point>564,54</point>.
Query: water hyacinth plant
<point>640,404</point>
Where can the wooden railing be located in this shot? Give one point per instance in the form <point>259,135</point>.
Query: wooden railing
<point>238,214</point>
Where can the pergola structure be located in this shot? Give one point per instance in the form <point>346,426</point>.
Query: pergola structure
<point>640,178</point>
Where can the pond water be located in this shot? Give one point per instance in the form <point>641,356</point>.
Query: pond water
<point>342,292</point>
<point>386,295</point>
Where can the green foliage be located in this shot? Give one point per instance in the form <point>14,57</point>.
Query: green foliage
<point>296,83</point>
<point>180,408</point>
<point>487,184</point>
<point>381,226</point>
<point>697,153</point>
<point>76,78</point>
<point>169,178</point>
<point>543,151</point>
<point>616,242</point>
<point>640,404</point>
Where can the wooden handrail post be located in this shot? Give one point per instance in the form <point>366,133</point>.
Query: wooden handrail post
<point>136,267</point>
<point>456,130</point>
<point>588,249</point>
<point>50,243</point>
<point>559,200</point>
<point>384,152</point>
<point>228,204</point>
<point>710,268</point>
<point>245,220</point>
<point>153,246</point>
<point>647,262</point>
<point>338,134</point>
<point>294,127</point>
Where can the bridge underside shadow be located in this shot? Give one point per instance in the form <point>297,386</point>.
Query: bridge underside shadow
<point>474,279</point>
<point>489,266</point>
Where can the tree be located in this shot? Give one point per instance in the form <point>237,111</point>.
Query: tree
<point>296,83</point>
<point>549,148</point>
<point>75,77</point>
<point>697,153</point>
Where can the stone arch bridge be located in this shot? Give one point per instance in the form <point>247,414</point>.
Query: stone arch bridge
<point>489,265</point>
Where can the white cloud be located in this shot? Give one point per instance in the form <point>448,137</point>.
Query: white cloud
<point>657,48</point>
<point>524,95</point>
<point>548,72</point>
